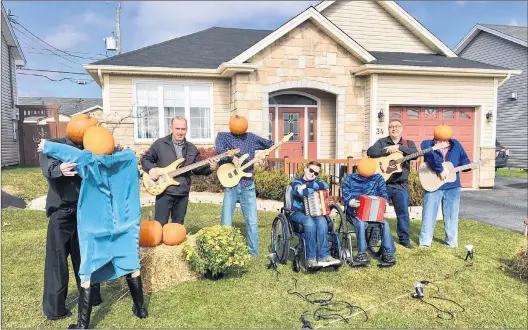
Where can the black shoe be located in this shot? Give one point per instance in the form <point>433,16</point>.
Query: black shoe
<point>96,295</point>
<point>407,245</point>
<point>388,260</point>
<point>362,258</point>
<point>136,291</point>
<point>85,309</point>
<point>66,314</point>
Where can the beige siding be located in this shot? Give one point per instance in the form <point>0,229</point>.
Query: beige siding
<point>367,114</point>
<point>10,143</point>
<point>402,90</point>
<point>121,102</point>
<point>373,27</point>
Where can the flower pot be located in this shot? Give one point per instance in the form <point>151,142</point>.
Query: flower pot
<point>208,275</point>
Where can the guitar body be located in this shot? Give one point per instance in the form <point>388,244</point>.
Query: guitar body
<point>158,187</point>
<point>386,165</point>
<point>431,181</point>
<point>230,175</point>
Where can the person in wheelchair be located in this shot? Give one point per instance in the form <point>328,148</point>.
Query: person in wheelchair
<point>366,182</point>
<point>315,228</point>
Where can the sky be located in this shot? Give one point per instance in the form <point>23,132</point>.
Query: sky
<point>78,28</point>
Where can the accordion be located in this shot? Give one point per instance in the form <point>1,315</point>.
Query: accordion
<point>371,208</point>
<point>316,204</point>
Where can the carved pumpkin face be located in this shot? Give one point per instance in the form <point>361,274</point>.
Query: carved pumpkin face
<point>174,233</point>
<point>238,124</point>
<point>366,167</point>
<point>443,132</point>
<point>150,233</point>
<point>78,125</point>
<point>99,140</point>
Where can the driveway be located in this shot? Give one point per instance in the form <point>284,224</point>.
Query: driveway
<point>505,206</point>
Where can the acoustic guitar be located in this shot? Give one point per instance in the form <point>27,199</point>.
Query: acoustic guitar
<point>391,164</point>
<point>431,181</point>
<point>167,174</point>
<point>230,175</point>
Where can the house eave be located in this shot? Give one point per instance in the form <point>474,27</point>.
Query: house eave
<point>368,69</point>
<point>12,41</point>
<point>475,31</point>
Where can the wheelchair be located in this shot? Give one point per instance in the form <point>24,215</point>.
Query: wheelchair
<point>284,230</point>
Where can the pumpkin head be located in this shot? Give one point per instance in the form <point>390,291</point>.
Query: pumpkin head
<point>150,233</point>
<point>99,140</point>
<point>443,132</point>
<point>238,124</point>
<point>78,125</point>
<point>366,167</point>
<point>174,233</point>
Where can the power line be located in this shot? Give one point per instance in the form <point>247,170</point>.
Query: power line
<point>89,58</point>
<point>73,80</point>
<point>58,71</point>
<point>54,59</point>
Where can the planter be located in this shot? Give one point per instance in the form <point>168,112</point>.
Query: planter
<point>209,276</point>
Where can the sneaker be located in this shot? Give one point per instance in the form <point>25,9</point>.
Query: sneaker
<point>362,258</point>
<point>407,245</point>
<point>328,261</point>
<point>388,259</point>
<point>311,263</point>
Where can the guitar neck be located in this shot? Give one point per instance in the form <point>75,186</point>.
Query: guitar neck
<point>261,155</point>
<point>465,167</point>
<point>191,167</point>
<point>414,155</point>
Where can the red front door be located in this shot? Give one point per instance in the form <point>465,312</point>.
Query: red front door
<point>291,120</point>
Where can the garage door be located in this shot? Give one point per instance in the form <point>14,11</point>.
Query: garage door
<point>419,123</point>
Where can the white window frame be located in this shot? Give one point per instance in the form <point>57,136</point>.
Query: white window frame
<point>164,131</point>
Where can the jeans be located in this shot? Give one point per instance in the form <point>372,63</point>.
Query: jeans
<point>248,202</point>
<point>315,232</point>
<point>400,199</point>
<point>387,243</point>
<point>450,199</point>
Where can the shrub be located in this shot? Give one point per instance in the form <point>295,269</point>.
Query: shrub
<point>519,266</point>
<point>209,183</point>
<point>270,183</point>
<point>218,249</point>
<point>415,189</point>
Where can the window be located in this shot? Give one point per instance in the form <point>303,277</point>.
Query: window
<point>291,125</point>
<point>413,114</point>
<point>448,114</point>
<point>270,127</point>
<point>291,99</point>
<point>431,113</point>
<point>311,118</point>
<point>158,103</point>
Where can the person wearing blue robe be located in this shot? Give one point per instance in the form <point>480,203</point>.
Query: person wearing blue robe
<point>108,216</point>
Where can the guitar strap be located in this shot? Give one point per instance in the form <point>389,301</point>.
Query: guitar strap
<point>405,142</point>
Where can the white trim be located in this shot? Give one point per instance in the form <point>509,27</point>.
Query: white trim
<point>373,107</point>
<point>494,111</point>
<point>11,40</point>
<point>409,22</point>
<point>475,31</point>
<point>319,20</point>
<point>436,71</point>
<point>106,94</point>
<point>276,130</point>
<point>92,108</point>
<point>305,139</point>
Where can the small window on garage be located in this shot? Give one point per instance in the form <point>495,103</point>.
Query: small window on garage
<point>448,114</point>
<point>431,113</point>
<point>464,115</point>
<point>395,114</point>
<point>413,114</point>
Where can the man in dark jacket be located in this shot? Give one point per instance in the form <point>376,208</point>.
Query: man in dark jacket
<point>62,238</point>
<point>398,183</point>
<point>163,152</point>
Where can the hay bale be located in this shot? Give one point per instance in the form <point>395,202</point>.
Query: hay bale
<point>164,266</point>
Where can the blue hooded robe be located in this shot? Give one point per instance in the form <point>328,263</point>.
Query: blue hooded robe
<point>108,212</point>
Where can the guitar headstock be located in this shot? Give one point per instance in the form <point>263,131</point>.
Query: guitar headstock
<point>441,145</point>
<point>286,138</point>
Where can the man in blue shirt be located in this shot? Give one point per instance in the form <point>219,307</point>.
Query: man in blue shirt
<point>244,192</point>
<point>448,194</point>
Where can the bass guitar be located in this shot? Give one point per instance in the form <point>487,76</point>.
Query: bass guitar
<point>431,181</point>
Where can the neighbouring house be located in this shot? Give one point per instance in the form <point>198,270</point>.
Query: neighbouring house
<point>12,57</point>
<point>505,46</point>
<point>333,75</point>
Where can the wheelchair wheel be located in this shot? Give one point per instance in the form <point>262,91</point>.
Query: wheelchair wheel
<point>280,238</point>
<point>296,264</point>
<point>339,218</point>
<point>373,236</point>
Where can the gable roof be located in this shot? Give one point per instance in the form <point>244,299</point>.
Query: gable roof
<point>67,106</point>
<point>11,39</point>
<point>409,22</point>
<point>205,49</point>
<point>516,34</point>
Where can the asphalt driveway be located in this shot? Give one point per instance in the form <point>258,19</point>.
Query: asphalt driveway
<point>505,206</point>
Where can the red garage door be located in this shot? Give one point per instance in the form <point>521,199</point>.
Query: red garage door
<point>419,123</point>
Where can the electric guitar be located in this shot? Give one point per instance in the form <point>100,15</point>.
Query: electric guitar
<point>167,174</point>
<point>388,165</point>
<point>431,181</point>
<point>230,175</point>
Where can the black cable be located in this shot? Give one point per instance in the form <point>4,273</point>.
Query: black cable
<point>55,80</point>
<point>451,313</point>
<point>58,71</point>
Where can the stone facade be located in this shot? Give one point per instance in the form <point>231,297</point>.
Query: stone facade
<point>486,173</point>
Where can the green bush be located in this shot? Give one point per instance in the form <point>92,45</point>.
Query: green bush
<point>209,183</point>
<point>219,249</point>
<point>270,183</point>
<point>415,189</point>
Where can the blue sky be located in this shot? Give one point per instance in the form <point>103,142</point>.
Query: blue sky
<point>80,26</point>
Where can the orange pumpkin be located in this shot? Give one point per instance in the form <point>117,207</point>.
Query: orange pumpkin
<point>366,167</point>
<point>99,140</point>
<point>443,132</point>
<point>78,125</point>
<point>174,234</point>
<point>238,124</point>
<point>150,233</point>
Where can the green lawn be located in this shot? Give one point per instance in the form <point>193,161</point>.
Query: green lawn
<point>257,299</point>
<point>25,182</point>
<point>512,172</point>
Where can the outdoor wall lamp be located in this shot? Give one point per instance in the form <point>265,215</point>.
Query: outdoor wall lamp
<point>513,95</point>
<point>381,116</point>
<point>489,117</point>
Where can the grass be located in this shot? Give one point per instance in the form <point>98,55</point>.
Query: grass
<point>25,182</point>
<point>258,298</point>
<point>512,172</point>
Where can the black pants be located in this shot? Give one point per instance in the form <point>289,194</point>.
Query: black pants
<point>167,204</point>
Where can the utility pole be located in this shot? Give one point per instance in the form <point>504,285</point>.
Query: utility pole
<point>118,28</point>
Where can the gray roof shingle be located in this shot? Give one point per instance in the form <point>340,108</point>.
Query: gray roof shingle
<point>68,106</point>
<point>519,32</point>
<point>428,60</point>
<point>205,49</point>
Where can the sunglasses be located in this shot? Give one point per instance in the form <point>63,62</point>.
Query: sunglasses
<point>313,172</point>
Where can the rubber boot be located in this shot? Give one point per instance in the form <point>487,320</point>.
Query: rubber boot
<point>136,291</point>
<point>85,309</point>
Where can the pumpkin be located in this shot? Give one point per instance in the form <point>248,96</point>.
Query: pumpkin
<point>150,233</point>
<point>99,140</point>
<point>443,132</point>
<point>78,125</point>
<point>238,124</point>
<point>366,167</point>
<point>174,234</point>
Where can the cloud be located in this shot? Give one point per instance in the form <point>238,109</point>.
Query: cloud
<point>514,21</point>
<point>66,37</point>
<point>461,3</point>
<point>159,21</point>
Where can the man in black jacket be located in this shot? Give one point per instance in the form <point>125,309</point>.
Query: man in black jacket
<point>163,152</point>
<point>398,183</point>
<point>62,237</point>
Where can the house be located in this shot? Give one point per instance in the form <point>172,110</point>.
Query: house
<point>505,46</point>
<point>333,75</point>
<point>12,57</point>
<point>66,106</point>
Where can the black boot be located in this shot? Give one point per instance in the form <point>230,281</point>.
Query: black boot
<point>96,294</point>
<point>136,291</point>
<point>85,309</point>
